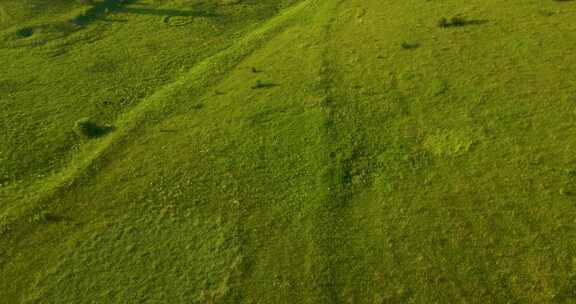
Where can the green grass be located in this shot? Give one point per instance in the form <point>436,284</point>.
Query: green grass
<point>287,152</point>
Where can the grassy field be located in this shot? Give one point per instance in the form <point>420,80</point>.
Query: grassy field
<point>287,151</point>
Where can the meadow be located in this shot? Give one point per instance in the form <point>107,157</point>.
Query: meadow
<point>287,151</point>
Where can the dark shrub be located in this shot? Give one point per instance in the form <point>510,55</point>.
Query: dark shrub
<point>88,129</point>
<point>443,22</point>
<point>457,21</point>
<point>410,45</point>
<point>263,85</point>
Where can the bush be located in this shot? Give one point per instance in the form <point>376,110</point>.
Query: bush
<point>88,129</point>
<point>410,45</point>
<point>458,21</point>
<point>259,84</point>
<point>40,217</point>
<point>453,22</point>
<point>263,85</point>
<point>443,22</point>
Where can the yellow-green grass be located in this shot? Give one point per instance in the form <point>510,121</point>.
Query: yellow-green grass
<point>289,152</point>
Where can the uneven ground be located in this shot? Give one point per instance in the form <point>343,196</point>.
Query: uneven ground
<point>285,151</point>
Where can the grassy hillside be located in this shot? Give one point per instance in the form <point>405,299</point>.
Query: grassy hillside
<point>295,151</point>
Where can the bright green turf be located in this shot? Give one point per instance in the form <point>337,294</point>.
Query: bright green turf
<point>365,172</point>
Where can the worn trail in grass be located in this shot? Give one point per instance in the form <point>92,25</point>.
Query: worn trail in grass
<point>327,163</point>
<point>28,196</point>
<point>297,110</point>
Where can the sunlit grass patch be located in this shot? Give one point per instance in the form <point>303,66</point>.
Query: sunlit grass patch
<point>449,143</point>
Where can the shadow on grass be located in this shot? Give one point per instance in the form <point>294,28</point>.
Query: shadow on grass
<point>460,22</point>
<point>476,22</point>
<point>167,12</point>
<point>100,10</point>
<point>263,85</point>
<point>53,218</point>
<point>104,130</point>
<point>89,129</point>
<point>99,131</point>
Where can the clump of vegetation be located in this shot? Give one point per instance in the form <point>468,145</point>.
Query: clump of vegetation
<point>4,226</point>
<point>453,22</point>
<point>40,217</point>
<point>89,129</point>
<point>546,13</point>
<point>565,192</point>
<point>230,2</point>
<point>262,85</point>
<point>259,84</point>
<point>410,45</point>
<point>443,22</point>
<point>25,32</point>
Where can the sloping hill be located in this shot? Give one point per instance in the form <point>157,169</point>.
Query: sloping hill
<point>288,152</point>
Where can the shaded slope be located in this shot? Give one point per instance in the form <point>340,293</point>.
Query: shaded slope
<point>55,72</point>
<point>24,200</point>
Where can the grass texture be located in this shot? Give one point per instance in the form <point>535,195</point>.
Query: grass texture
<point>287,151</point>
